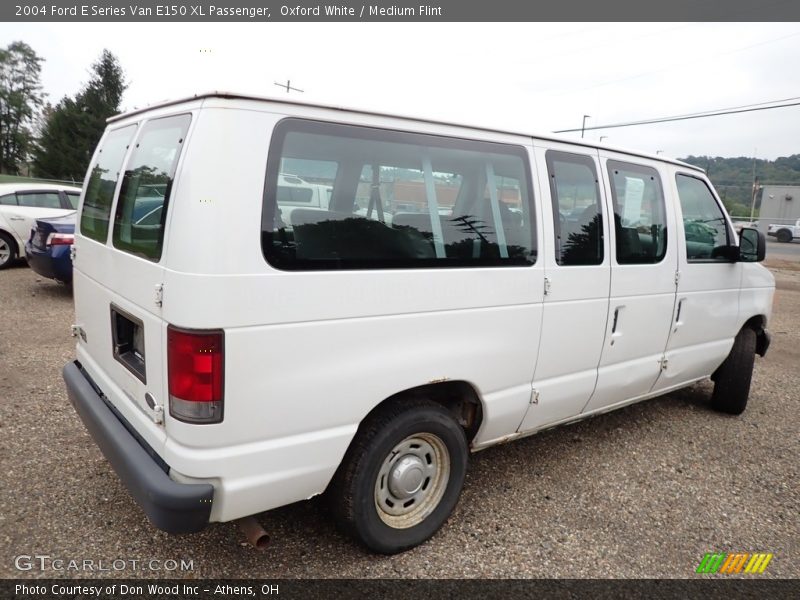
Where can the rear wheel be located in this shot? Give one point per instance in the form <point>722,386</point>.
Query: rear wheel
<point>732,379</point>
<point>401,477</point>
<point>784,235</point>
<point>8,250</point>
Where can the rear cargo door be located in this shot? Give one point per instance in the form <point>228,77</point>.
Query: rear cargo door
<point>119,266</point>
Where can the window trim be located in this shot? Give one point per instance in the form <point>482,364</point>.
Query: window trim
<point>550,157</point>
<point>367,132</point>
<point>720,207</point>
<point>65,203</point>
<point>644,170</point>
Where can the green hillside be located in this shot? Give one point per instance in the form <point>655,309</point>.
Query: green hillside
<point>733,177</point>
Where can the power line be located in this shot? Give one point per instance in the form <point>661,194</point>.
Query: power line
<point>656,120</point>
<point>705,112</point>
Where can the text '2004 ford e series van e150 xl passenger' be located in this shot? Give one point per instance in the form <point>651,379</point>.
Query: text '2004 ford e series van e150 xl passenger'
<point>275,300</point>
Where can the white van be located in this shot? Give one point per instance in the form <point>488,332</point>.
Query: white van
<point>460,287</point>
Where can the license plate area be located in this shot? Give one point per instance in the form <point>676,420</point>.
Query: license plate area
<point>127,339</point>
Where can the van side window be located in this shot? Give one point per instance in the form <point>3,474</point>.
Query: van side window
<point>365,198</point>
<point>103,182</point>
<point>640,218</point>
<point>146,186</point>
<point>704,224</point>
<point>577,212</point>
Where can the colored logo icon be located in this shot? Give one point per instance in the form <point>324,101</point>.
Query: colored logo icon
<point>742,562</point>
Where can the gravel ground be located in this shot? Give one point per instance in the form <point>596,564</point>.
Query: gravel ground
<point>641,492</point>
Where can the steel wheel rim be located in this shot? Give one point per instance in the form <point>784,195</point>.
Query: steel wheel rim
<point>412,480</point>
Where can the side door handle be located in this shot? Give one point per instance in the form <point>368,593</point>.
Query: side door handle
<point>615,323</point>
<point>678,311</point>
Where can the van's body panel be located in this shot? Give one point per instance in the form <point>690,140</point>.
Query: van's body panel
<point>574,318</point>
<point>641,301</point>
<point>309,353</point>
<point>708,295</point>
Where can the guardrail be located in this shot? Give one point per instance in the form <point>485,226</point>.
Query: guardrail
<point>20,179</point>
<point>778,221</point>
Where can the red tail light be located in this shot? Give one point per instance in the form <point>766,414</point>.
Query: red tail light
<point>60,239</point>
<point>196,364</point>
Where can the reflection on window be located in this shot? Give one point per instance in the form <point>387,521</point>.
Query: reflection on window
<point>577,213</point>
<point>354,197</point>
<point>704,224</point>
<point>73,200</point>
<point>146,185</point>
<point>102,183</point>
<point>640,218</point>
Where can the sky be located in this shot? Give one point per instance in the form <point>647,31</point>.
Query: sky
<point>526,77</point>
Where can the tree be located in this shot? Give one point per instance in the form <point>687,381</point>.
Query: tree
<point>60,150</point>
<point>20,99</point>
<point>74,126</point>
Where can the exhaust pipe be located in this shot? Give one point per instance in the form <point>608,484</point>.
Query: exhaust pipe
<point>254,533</point>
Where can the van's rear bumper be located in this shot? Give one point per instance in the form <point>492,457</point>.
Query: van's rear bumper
<point>171,506</point>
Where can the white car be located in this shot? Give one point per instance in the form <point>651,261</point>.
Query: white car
<point>21,204</point>
<point>783,232</point>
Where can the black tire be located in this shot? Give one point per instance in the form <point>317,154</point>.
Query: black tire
<point>8,250</point>
<point>732,381</point>
<point>784,235</point>
<point>362,481</point>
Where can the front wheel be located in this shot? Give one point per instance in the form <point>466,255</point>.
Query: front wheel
<point>732,379</point>
<point>401,477</point>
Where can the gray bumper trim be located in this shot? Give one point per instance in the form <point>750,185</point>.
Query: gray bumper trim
<point>171,506</point>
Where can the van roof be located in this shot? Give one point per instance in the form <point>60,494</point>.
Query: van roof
<point>274,100</point>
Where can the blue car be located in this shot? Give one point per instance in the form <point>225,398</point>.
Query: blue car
<point>47,250</point>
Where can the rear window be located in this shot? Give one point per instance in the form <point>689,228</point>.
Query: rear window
<point>348,197</point>
<point>39,199</point>
<point>146,186</point>
<point>102,183</point>
<point>73,199</point>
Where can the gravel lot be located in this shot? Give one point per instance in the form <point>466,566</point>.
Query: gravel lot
<point>642,492</point>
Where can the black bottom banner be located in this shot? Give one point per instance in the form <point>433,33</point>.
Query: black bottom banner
<point>399,589</point>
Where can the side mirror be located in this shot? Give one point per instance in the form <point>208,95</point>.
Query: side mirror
<point>752,245</point>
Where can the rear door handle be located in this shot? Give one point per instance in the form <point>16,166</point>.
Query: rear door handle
<point>16,218</point>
